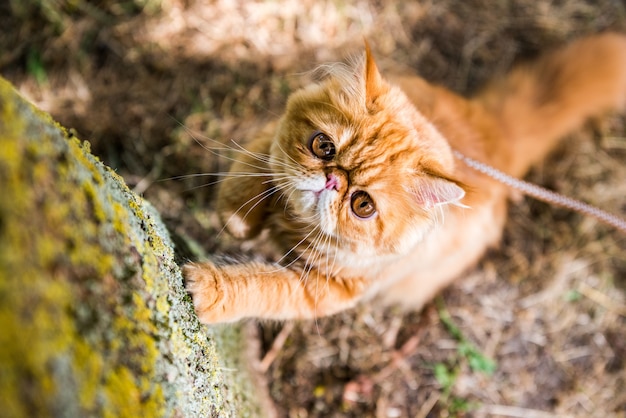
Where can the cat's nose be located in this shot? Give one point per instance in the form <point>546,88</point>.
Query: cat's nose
<point>332,182</point>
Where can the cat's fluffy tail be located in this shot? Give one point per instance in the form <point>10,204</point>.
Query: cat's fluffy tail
<point>539,102</point>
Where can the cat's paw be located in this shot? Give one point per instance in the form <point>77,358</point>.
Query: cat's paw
<point>204,282</point>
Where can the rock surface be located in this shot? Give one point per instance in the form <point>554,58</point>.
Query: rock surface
<point>94,317</point>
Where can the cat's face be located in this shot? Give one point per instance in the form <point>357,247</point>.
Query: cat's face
<point>357,161</point>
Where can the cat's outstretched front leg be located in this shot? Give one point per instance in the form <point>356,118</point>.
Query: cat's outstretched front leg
<point>243,195</point>
<point>232,292</point>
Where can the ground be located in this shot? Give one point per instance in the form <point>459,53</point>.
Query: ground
<point>537,329</point>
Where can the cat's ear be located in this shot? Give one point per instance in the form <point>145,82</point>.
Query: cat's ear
<point>431,192</point>
<point>373,80</point>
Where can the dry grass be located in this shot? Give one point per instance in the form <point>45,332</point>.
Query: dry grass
<point>548,306</point>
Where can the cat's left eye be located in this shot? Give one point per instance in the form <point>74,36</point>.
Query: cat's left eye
<point>362,205</point>
<point>322,146</point>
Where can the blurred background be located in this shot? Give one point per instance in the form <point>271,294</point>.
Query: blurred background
<point>538,329</point>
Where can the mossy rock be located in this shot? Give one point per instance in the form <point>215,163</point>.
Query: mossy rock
<point>94,318</point>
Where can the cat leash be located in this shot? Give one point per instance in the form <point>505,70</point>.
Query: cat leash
<point>544,194</point>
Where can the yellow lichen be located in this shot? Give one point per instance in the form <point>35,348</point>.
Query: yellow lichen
<point>85,286</point>
<point>88,367</point>
<point>120,218</point>
<point>92,197</point>
<point>124,398</point>
<point>50,227</point>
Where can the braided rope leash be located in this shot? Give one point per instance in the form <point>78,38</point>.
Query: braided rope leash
<point>543,194</point>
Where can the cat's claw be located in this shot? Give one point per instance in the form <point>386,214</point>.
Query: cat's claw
<point>203,283</point>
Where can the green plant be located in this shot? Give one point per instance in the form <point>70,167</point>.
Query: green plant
<point>446,374</point>
<point>477,361</point>
<point>35,68</point>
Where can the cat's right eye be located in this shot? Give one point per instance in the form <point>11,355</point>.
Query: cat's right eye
<point>322,146</point>
<point>362,205</point>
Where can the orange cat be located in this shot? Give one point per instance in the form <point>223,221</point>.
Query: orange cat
<point>358,185</point>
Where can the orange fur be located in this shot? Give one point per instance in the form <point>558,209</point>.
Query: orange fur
<point>390,143</point>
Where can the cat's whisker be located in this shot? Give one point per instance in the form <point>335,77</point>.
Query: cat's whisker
<point>214,151</point>
<point>281,180</point>
<point>284,185</point>
<point>302,278</point>
<point>332,248</point>
<point>327,242</point>
<point>220,146</point>
<point>267,159</point>
<point>311,219</point>
<point>218,174</point>
<point>297,164</point>
<point>317,260</point>
<point>437,215</point>
<point>260,197</point>
<point>212,183</point>
<point>264,158</point>
<point>288,192</point>
<point>308,265</point>
<point>256,166</point>
<point>288,189</point>
<point>293,248</point>
<point>297,167</point>
<point>260,157</point>
<point>285,165</point>
<point>331,251</point>
<point>443,215</point>
<point>312,250</point>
